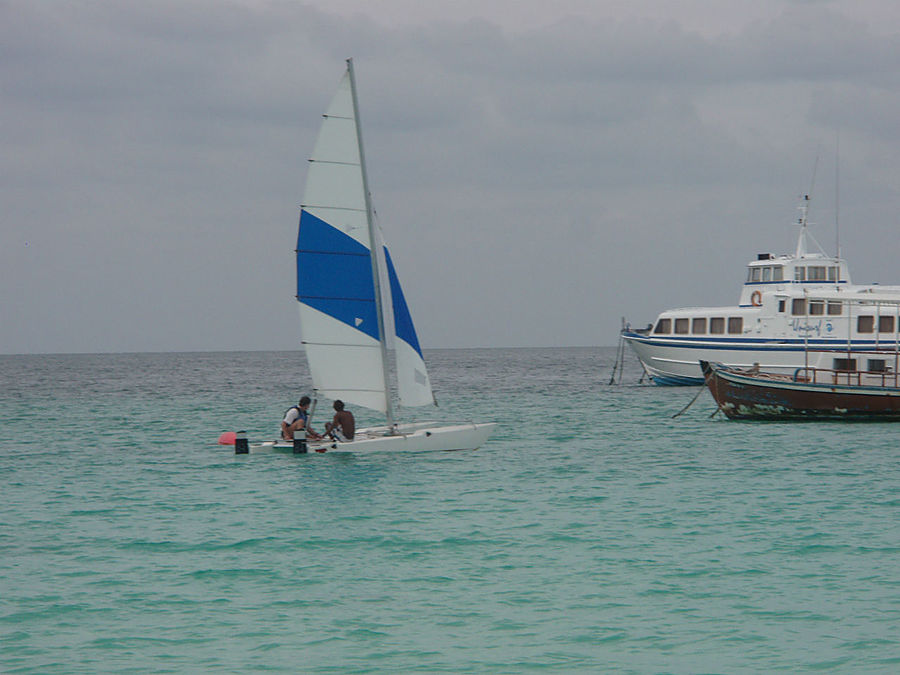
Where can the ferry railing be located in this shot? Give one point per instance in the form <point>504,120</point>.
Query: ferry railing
<point>869,378</point>
<point>887,375</point>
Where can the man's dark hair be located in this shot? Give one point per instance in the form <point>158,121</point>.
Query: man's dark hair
<point>338,405</point>
<point>304,400</point>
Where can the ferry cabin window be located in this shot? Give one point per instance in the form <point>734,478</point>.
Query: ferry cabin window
<point>876,366</point>
<point>816,307</point>
<point>845,364</point>
<point>885,324</point>
<point>798,306</point>
<point>717,325</point>
<point>765,274</point>
<point>799,274</point>
<point>681,326</point>
<point>698,326</point>
<point>865,324</point>
<point>735,324</point>
<point>833,273</point>
<point>816,274</point>
<point>834,309</point>
<point>663,326</point>
<point>781,305</point>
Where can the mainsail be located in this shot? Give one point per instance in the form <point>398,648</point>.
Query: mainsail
<point>341,317</point>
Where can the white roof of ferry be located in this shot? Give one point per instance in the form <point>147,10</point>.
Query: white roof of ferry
<point>886,295</point>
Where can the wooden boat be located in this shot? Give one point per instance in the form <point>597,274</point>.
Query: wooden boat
<point>810,393</point>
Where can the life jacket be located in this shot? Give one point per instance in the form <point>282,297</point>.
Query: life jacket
<point>302,415</point>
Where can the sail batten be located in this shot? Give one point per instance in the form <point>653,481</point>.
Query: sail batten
<point>338,344</point>
<point>333,161</point>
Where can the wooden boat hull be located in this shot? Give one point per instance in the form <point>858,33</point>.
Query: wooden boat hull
<point>749,396</point>
<point>418,437</point>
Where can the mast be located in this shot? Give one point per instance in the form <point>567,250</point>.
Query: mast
<point>801,240</point>
<point>373,247</point>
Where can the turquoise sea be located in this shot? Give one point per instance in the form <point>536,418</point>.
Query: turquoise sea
<point>593,532</point>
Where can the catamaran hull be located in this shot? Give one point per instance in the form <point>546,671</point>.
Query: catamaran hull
<point>677,362</point>
<point>744,396</point>
<point>409,438</point>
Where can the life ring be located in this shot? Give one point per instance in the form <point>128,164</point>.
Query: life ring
<point>756,299</point>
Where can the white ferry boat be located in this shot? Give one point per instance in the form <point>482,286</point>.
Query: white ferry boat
<point>789,305</point>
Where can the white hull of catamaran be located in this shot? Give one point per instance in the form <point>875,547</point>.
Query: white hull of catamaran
<point>416,437</point>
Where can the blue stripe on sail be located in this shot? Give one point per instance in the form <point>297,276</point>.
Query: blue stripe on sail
<point>403,325</point>
<point>334,274</point>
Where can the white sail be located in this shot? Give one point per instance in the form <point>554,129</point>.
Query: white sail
<point>338,281</point>
<point>335,288</point>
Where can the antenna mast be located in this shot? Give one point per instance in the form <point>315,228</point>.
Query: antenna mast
<point>803,221</point>
<point>837,193</point>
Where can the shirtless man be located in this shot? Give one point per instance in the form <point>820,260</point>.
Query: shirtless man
<point>342,426</point>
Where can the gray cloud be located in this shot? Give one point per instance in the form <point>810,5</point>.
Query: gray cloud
<point>535,185</point>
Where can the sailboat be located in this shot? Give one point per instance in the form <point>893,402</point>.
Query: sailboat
<point>342,267</point>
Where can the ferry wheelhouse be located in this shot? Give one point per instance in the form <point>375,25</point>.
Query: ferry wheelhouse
<point>789,305</point>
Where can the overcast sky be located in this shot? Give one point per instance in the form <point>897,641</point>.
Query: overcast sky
<point>540,170</point>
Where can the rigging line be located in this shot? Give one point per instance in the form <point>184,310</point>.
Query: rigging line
<point>645,373</point>
<point>612,377</point>
<point>812,184</point>
<point>617,364</point>
<point>684,409</point>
